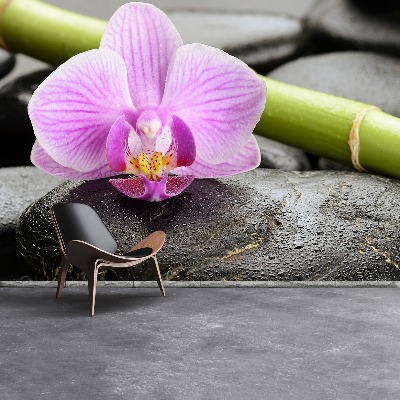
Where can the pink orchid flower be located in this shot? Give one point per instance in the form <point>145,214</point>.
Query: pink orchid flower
<point>146,105</point>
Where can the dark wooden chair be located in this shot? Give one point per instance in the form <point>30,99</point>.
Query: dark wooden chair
<point>87,244</point>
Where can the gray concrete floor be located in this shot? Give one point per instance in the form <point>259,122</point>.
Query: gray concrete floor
<point>201,343</point>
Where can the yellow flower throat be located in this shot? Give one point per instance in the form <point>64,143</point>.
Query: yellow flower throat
<point>152,166</point>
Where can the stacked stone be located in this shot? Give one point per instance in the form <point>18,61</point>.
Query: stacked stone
<point>291,218</point>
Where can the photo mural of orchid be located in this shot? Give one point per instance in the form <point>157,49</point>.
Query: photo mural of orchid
<point>145,105</point>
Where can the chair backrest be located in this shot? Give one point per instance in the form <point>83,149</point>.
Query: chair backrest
<point>77,221</point>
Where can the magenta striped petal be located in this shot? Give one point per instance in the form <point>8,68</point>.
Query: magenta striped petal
<point>73,109</point>
<point>146,39</point>
<point>218,96</point>
<point>43,161</point>
<point>247,159</point>
<point>141,188</point>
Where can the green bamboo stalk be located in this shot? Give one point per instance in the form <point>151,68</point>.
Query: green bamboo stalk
<point>45,32</point>
<point>316,122</point>
<point>320,124</point>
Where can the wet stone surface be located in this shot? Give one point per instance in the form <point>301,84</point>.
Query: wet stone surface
<point>261,225</point>
<point>278,155</point>
<point>7,62</point>
<point>16,129</point>
<point>380,7</point>
<point>19,187</point>
<point>347,24</point>
<point>327,164</point>
<point>296,8</point>
<point>261,40</point>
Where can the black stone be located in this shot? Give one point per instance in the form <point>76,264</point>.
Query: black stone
<point>296,8</point>
<point>342,24</point>
<point>327,164</point>
<point>19,187</point>
<point>7,62</point>
<point>277,155</point>
<point>381,7</point>
<point>261,40</point>
<point>260,225</point>
<point>16,130</point>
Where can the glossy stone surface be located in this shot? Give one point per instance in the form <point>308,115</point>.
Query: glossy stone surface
<point>261,40</point>
<point>7,62</point>
<point>345,24</point>
<point>277,155</point>
<point>380,7</point>
<point>327,164</point>
<point>261,225</point>
<point>19,187</point>
<point>16,131</point>
<point>105,8</point>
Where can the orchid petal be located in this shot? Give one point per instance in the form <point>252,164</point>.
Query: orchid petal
<point>117,142</point>
<point>182,142</point>
<point>245,160</point>
<point>164,140</point>
<point>134,143</point>
<point>218,96</point>
<point>177,184</point>
<point>42,160</point>
<point>146,39</point>
<point>143,189</point>
<point>74,108</point>
<point>132,187</point>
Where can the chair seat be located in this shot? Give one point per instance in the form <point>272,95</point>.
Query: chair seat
<point>138,253</point>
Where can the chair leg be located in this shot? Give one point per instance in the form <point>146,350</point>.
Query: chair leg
<point>154,266</point>
<point>62,275</point>
<point>92,283</point>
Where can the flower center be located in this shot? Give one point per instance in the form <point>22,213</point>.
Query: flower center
<point>151,128</point>
<point>148,124</point>
<point>151,149</point>
<point>152,165</point>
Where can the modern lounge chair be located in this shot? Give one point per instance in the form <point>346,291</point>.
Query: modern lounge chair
<point>87,244</point>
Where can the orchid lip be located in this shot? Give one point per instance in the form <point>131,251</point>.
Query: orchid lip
<point>141,188</point>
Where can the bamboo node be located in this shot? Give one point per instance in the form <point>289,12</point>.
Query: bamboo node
<point>3,8</point>
<point>354,138</point>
